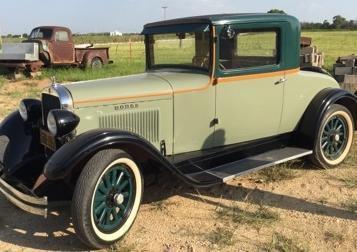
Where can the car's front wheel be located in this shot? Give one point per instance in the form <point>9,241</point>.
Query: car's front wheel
<point>106,198</point>
<point>335,137</point>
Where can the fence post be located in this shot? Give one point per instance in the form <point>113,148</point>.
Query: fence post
<point>130,50</point>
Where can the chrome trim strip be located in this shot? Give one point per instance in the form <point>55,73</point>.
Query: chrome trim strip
<point>24,197</point>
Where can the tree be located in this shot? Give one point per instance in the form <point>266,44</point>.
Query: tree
<point>24,35</point>
<point>339,22</point>
<point>325,24</point>
<point>277,11</point>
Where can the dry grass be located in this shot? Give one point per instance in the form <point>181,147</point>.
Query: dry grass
<point>221,237</point>
<point>281,243</point>
<point>333,236</point>
<point>256,217</point>
<point>351,205</point>
<point>278,173</point>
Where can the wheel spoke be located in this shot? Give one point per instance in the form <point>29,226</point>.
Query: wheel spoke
<point>99,198</point>
<point>125,194</point>
<point>114,214</point>
<point>114,177</point>
<point>123,185</point>
<point>119,178</point>
<point>101,219</point>
<point>102,188</point>
<point>122,207</point>
<point>331,149</point>
<point>99,208</point>
<point>339,127</point>
<point>108,220</point>
<point>107,180</point>
<point>324,145</point>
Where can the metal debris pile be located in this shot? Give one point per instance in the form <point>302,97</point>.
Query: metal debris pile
<point>345,72</point>
<point>309,54</point>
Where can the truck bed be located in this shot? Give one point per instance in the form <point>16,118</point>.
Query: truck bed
<point>20,52</point>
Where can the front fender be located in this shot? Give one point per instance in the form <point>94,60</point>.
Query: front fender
<point>311,120</point>
<point>20,145</point>
<point>71,156</point>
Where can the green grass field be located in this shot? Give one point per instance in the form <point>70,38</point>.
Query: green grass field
<point>332,43</point>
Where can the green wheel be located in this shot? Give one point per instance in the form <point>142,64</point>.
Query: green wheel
<point>106,198</point>
<point>335,137</point>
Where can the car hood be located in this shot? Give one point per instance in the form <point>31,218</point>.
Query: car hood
<point>140,87</point>
<point>116,90</point>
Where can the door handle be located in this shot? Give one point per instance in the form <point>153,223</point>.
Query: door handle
<point>281,80</point>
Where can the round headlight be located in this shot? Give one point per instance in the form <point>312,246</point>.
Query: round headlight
<point>61,122</point>
<point>23,111</point>
<point>52,124</point>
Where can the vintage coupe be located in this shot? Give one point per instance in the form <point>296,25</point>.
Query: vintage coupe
<point>223,95</point>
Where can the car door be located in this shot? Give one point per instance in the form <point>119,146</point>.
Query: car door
<point>249,96</point>
<point>62,48</point>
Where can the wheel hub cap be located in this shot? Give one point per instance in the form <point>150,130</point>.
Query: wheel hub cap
<point>118,198</point>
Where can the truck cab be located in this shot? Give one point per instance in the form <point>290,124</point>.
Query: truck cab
<point>51,46</point>
<point>56,44</point>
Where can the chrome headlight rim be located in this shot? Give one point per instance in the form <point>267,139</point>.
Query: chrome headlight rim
<point>23,111</point>
<point>30,110</point>
<point>52,123</point>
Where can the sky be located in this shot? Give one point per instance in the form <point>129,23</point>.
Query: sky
<point>82,16</point>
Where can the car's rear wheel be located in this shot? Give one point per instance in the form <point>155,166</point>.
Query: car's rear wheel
<point>106,198</point>
<point>335,137</point>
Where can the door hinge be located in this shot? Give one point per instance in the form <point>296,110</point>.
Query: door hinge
<point>163,147</point>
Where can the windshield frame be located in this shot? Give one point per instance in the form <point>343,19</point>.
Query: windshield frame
<point>148,52</point>
<point>44,37</point>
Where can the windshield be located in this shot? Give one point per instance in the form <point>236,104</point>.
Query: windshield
<point>41,33</point>
<point>182,50</point>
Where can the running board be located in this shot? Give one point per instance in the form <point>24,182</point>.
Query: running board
<point>234,169</point>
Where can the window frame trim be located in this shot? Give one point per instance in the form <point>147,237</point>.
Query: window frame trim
<point>276,26</point>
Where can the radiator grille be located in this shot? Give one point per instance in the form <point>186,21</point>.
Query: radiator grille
<point>144,123</point>
<point>49,102</point>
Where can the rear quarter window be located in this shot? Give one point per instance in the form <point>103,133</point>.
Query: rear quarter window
<point>249,49</point>
<point>62,36</point>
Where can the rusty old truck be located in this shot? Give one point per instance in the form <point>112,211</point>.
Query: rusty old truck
<point>49,46</point>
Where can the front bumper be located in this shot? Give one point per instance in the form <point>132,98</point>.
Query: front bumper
<point>26,202</point>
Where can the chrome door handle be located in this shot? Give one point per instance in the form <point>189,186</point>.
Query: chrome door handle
<point>281,80</point>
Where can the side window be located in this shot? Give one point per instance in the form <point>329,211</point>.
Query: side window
<point>61,36</point>
<point>241,49</point>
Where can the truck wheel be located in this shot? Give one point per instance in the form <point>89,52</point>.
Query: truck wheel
<point>106,199</point>
<point>96,63</point>
<point>335,137</point>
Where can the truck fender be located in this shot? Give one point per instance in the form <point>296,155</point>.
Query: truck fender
<point>20,145</point>
<point>313,115</point>
<point>71,157</point>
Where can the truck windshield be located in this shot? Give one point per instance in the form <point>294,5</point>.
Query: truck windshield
<point>41,33</point>
<point>180,50</point>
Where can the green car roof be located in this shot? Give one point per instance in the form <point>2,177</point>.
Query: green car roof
<point>219,19</point>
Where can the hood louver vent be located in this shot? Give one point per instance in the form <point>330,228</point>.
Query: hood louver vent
<point>144,123</point>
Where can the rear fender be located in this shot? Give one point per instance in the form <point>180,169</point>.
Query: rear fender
<point>312,118</point>
<point>71,157</point>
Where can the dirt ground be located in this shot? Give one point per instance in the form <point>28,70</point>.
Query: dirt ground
<point>293,207</point>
